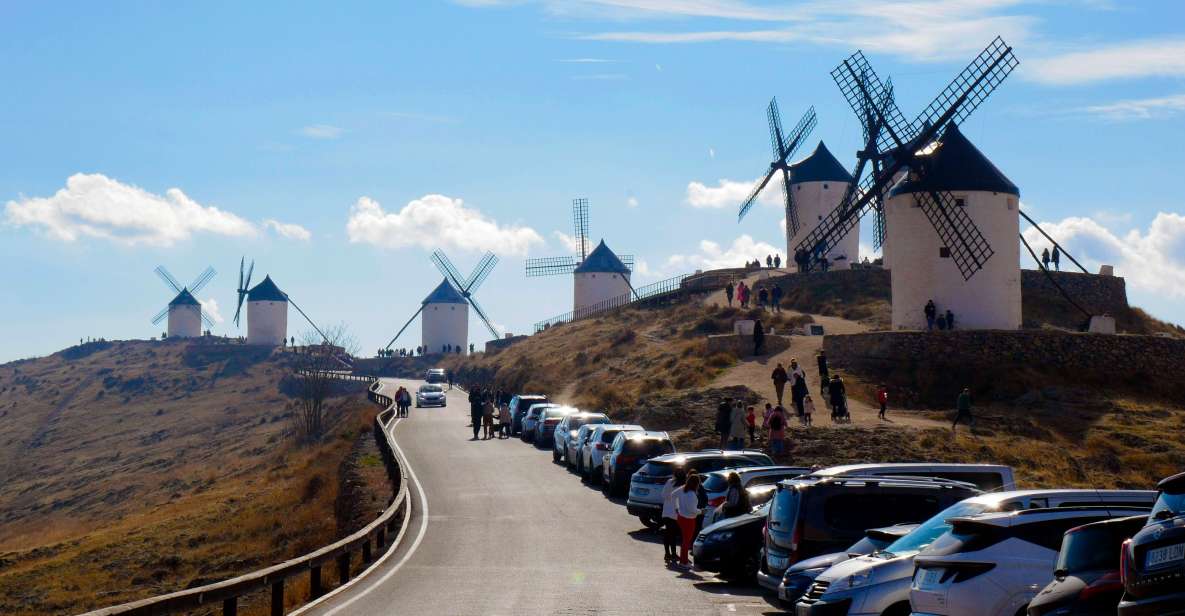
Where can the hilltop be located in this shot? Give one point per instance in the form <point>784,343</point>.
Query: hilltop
<point>129,469</point>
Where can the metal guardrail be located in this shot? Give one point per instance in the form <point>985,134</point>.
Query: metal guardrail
<point>649,292</point>
<point>373,535</point>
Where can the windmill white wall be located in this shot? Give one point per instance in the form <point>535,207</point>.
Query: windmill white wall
<point>445,323</point>
<point>815,200</point>
<point>593,287</point>
<point>267,322</point>
<point>185,321</point>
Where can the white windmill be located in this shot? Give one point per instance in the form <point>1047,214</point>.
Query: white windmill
<point>184,312</point>
<point>597,276</point>
<point>445,322</point>
<point>267,309</point>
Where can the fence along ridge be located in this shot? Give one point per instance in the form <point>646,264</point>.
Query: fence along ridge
<point>639,294</point>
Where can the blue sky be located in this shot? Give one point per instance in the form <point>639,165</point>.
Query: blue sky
<point>336,146</point>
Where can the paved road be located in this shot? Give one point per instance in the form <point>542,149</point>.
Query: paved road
<point>509,532</point>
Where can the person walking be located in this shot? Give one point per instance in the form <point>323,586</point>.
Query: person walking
<point>836,392</point>
<point>751,422</point>
<point>779,377</point>
<point>1045,258</point>
<point>882,398</point>
<point>736,427</point>
<point>758,337</point>
<point>1057,258</point>
<point>728,289</point>
<point>950,319</point>
<point>724,421</point>
<point>736,499</point>
<point>798,388</point>
<point>670,520</point>
<point>475,411</point>
<point>776,298</point>
<point>762,298</point>
<point>808,410</point>
<point>406,402</point>
<point>769,261</point>
<point>776,424</point>
<point>507,419</point>
<point>931,312</point>
<point>487,417</point>
<point>824,371</point>
<point>777,261</point>
<point>687,511</point>
<point>963,412</point>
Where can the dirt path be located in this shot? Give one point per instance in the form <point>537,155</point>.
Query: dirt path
<point>754,372</point>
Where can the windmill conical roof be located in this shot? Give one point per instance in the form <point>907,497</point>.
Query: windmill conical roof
<point>444,293</point>
<point>957,165</point>
<point>820,166</point>
<point>185,298</point>
<point>266,291</point>
<point>601,259</point>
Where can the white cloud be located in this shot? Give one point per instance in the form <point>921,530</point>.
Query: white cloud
<point>631,202</point>
<point>321,131</point>
<point>712,153</point>
<point>210,307</point>
<point>712,255</point>
<point>288,230</point>
<point>94,205</point>
<point>434,221</point>
<point>730,193</point>
<point>1152,261</point>
<point>1139,109</point>
<point>567,241</point>
<point>1128,60</point>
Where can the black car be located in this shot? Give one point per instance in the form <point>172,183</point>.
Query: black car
<point>731,546</point>
<point>645,496</point>
<point>1086,579</point>
<point>799,577</point>
<point>628,453</point>
<point>1152,562</point>
<point>518,409</point>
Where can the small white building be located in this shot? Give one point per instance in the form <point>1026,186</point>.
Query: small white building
<point>267,314</point>
<point>601,276</point>
<point>445,320</point>
<point>922,267</point>
<point>818,183</point>
<point>185,316</point>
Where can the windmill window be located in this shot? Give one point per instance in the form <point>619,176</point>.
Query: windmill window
<point>824,186</point>
<point>943,252</point>
<point>960,202</point>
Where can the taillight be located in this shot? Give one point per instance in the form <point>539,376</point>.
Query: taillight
<point>1125,562</point>
<point>601,447</point>
<point>715,502</point>
<point>550,422</point>
<point>765,531</point>
<point>1110,583</point>
<point>625,459</point>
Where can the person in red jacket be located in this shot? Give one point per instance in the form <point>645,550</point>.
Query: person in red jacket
<point>882,397</point>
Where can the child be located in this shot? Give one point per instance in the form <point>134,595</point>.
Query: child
<point>808,408</point>
<point>751,421</point>
<point>882,397</point>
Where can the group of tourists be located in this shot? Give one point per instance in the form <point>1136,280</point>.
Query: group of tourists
<point>934,318</point>
<point>489,413</point>
<point>1056,258</point>
<point>684,503</point>
<point>766,297</point>
<point>402,400</point>
<point>771,261</point>
<point>804,260</point>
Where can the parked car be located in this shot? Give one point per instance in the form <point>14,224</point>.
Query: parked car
<point>597,446</point>
<point>518,409</point>
<point>645,496</point>
<point>430,395</point>
<point>563,443</point>
<point>819,515</point>
<point>799,577</point>
<point>531,420</point>
<point>883,578</point>
<point>436,375</point>
<point>629,452</point>
<point>988,477</point>
<point>992,564</point>
<point>1152,563</point>
<point>1086,579</point>
<point>716,482</point>
<point>548,420</point>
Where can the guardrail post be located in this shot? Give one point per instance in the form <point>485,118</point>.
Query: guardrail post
<point>366,558</point>
<point>343,568</point>
<point>278,597</point>
<point>230,606</point>
<point>315,589</point>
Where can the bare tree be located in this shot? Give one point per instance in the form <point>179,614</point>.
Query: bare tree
<point>318,366</point>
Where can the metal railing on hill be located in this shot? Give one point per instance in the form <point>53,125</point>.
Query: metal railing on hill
<point>368,541</point>
<point>649,293</point>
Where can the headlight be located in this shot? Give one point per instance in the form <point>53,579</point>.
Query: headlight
<point>723,535</point>
<point>851,581</point>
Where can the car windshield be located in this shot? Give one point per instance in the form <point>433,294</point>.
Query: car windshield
<point>537,410</point>
<point>649,447</point>
<point>716,482</point>
<point>1169,503</point>
<point>581,420</point>
<point>931,529</point>
<point>608,435</point>
<point>430,389</point>
<point>1093,548</point>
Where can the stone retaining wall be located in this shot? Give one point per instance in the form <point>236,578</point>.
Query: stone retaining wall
<point>742,345</point>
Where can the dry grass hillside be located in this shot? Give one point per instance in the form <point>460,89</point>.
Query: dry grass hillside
<point>129,469</point>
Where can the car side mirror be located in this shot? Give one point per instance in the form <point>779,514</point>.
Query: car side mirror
<point>1060,574</point>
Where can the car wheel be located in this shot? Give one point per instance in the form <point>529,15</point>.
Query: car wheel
<point>606,486</point>
<point>899,609</point>
<point>596,478</point>
<point>555,455</point>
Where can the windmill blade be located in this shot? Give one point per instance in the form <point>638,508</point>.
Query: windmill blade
<point>968,89</point>
<point>446,267</point>
<point>878,231</point>
<point>200,282</point>
<point>480,273</point>
<point>207,320</point>
<point>627,261</point>
<point>484,319</point>
<point>242,268</point>
<point>777,142</point>
<point>580,226</point>
<point>239,308</point>
<point>160,316</point>
<point>324,338</point>
<point>841,220</point>
<point>798,136</point>
<point>550,266</point>
<point>792,224</point>
<point>747,204</point>
<point>859,85</point>
<point>401,329</point>
<point>968,248</point>
<point>168,278</point>
<point>250,270</point>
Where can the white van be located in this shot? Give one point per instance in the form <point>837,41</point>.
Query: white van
<point>987,477</point>
<point>435,375</point>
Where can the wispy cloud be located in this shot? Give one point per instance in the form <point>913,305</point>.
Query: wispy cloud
<point>1139,109</point>
<point>288,230</point>
<point>320,131</point>
<point>434,221</point>
<point>1129,60</point>
<point>728,193</point>
<point>712,255</point>
<point>631,202</point>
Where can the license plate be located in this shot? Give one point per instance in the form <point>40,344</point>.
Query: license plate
<point>778,562</point>
<point>930,578</point>
<point>1163,556</point>
<point>641,491</point>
